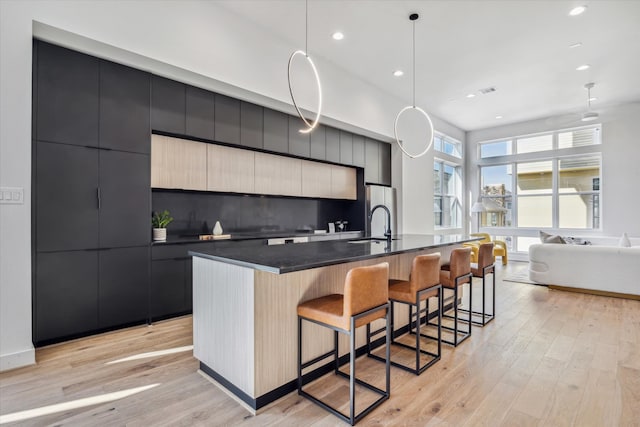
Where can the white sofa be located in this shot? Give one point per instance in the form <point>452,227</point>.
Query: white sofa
<point>602,267</point>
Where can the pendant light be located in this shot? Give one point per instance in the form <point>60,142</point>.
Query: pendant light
<point>309,125</point>
<point>589,115</point>
<point>414,17</point>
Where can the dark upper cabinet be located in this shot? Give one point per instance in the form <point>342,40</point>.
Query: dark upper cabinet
<point>168,105</point>
<point>276,131</point>
<point>384,152</point>
<point>65,295</point>
<point>333,145</point>
<point>358,150</point>
<point>66,197</point>
<point>227,120</point>
<point>299,143</point>
<point>318,149</point>
<point>68,96</point>
<point>371,161</point>
<point>125,208</point>
<point>124,108</point>
<point>200,113</point>
<point>124,286</point>
<point>346,148</point>
<point>251,124</point>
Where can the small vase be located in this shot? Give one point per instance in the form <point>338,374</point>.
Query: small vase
<point>217,229</point>
<point>159,234</point>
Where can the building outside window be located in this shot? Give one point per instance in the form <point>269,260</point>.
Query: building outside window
<point>447,181</point>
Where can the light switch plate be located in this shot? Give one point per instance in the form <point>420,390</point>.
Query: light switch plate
<point>11,195</point>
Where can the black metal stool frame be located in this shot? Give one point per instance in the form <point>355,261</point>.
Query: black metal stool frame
<point>486,318</point>
<point>384,394</point>
<point>436,356</point>
<point>455,317</point>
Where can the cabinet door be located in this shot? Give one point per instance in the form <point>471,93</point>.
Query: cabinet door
<point>385,163</point>
<point>251,121</point>
<point>169,283</point>
<point>318,143</point>
<point>123,286</point>
<point>346,148</point>
<point>168,105</point>
<point>299,143</point>
<point>178,163</point>
<point>316,179</point>
<point>278,175</point>
<point>125,211</point>
<point>371,161</point>
<point>65,295</point>
<point>358,150</point>
<point>68,88</point>
<point>230,169</point>
<point>227,125</point>
<point>200,113</point>
<point>276,130</point>
<point>66,197</point>
<point>343,182</point>
<point>124,108</point>
<point>333,145</point>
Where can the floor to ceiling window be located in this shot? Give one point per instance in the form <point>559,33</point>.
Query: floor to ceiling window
<point>447,182</point>
<point>548,181</point>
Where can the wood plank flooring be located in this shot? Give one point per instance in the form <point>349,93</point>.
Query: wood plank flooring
<point>551,358</point>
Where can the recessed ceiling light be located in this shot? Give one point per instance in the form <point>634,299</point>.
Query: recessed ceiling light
<point>471,95</point>
<point>577,10</point>
<point>398,73</point>
<point>583,67</point>
<point>498,117</point>
<point>575,45</point>
<point>337,35</point>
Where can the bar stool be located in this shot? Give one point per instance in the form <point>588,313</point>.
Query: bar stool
<point>365,299</point>
<point>485,265</point>
<point>453,276</point>
<point>423,283</point>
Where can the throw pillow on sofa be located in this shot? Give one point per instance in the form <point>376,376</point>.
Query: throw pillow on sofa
<point>550,238</point>
<point>624,241</point>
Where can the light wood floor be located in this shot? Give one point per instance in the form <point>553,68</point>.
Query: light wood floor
<point>550,358</point>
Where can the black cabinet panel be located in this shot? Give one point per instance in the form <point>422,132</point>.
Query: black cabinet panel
<point>66,294</point>
<point>66,197</point>
<point>168,105</point>
<point>346,148</point>
<point>299,143</point>
<point>123,286</point>
<point>358,150</point>
<point>371,161</point>
<point>125,210</point>
<point>251,123</point>
<point>333,145</point>
<point>318,143</point>
<point>68,88</point>
<point>276,130</point>
<point>169,282</point>
<point>124,108</point>
<point>384,151</point>
<point>200,108</point>
<point>227,125</point>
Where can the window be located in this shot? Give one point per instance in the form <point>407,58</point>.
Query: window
<point>447,145</point>
<point>447,205</point>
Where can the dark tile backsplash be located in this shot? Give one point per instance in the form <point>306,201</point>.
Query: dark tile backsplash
<point>196,212</point>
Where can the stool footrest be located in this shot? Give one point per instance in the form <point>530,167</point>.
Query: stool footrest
<point>317,359</point>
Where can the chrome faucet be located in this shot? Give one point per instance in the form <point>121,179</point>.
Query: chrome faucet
<point>387,232</point>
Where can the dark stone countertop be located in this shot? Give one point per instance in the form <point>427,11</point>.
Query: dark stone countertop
<point>181,239</point>
<point>281,259</point>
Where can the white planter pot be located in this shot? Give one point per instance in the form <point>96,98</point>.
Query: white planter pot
<point>159,234</point>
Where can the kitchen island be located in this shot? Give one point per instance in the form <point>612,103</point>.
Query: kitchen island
<point>245,299</point>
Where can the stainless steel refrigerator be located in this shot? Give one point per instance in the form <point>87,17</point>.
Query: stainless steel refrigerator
<point>380,195</point>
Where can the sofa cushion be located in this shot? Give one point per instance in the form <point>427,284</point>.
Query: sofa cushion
<point>550,238</point>
<point>624,241</point>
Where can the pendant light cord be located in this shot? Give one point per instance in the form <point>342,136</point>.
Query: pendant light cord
<point>414,64</point>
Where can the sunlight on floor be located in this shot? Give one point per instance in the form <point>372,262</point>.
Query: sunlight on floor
<point>152,354</point>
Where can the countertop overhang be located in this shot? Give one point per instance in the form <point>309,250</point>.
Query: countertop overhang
<point>282,259</point>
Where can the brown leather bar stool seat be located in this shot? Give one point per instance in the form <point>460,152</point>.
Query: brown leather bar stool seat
<point>423,283</point>
<point>484,266</point>
<point>453,277</point>
<point>365,299</point>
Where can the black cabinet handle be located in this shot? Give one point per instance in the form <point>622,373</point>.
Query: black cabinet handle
<point>98,197</point>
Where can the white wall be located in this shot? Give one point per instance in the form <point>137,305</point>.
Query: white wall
<point>620,154</point>
<point>195,42</point>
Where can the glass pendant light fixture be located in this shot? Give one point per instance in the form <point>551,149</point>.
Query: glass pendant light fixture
<point>309,125</point>
<point>589,115</point>
<point>414,17</point>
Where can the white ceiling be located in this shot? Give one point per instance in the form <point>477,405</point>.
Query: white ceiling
<point>519,47</point>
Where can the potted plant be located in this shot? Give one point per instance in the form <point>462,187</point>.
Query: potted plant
<point>159,221</point>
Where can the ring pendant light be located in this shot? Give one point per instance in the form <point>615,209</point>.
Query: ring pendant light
<point>414,17</point>
<point>310,125</point>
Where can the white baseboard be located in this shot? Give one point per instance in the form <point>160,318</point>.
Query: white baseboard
<point>17,360</point>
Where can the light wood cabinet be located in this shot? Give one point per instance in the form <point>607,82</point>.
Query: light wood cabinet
<point>178,163</point>
<point>278,175</point>
<point>343,183</point>
<point>316,179</point>
<point>230,169</point>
